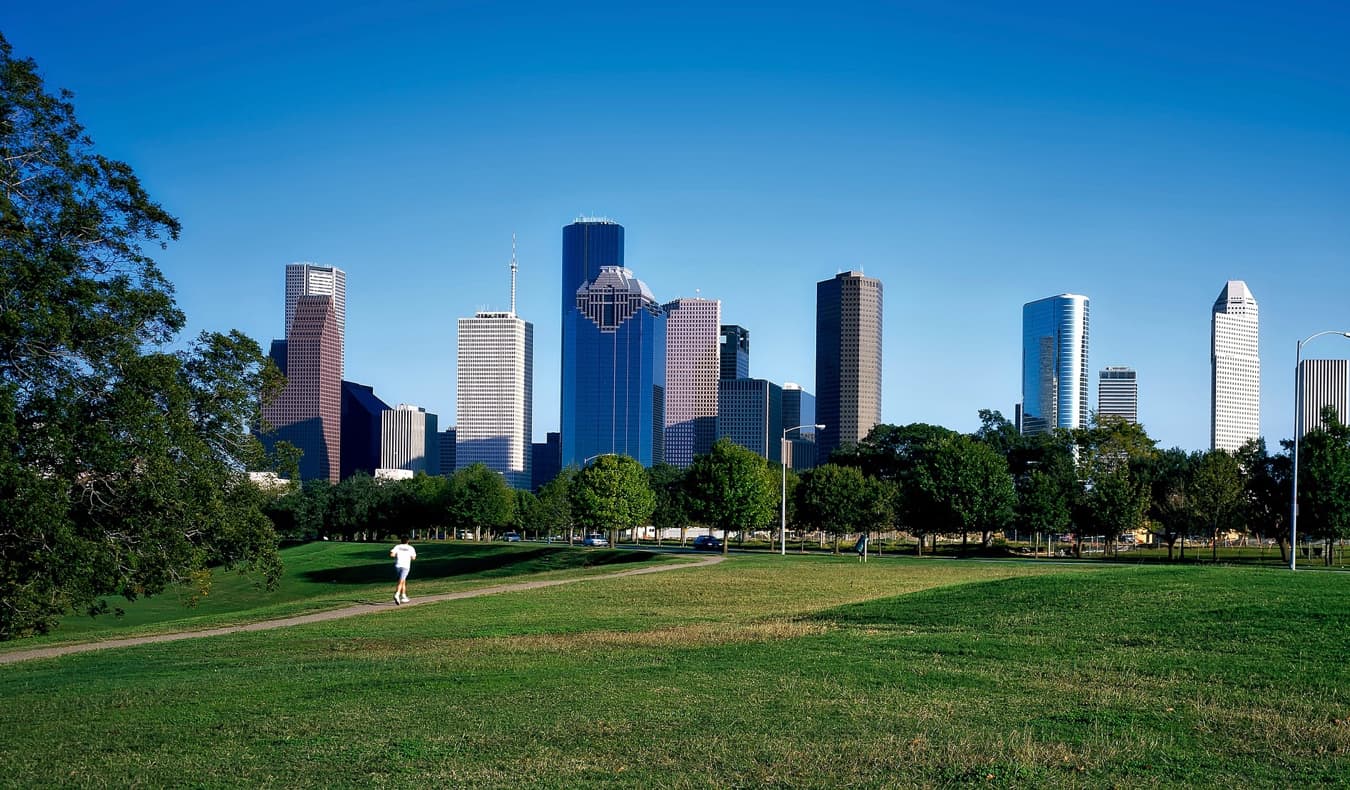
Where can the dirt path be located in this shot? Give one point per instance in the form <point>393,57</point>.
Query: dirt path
<point>334,614</point>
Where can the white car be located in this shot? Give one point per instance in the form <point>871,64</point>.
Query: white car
<point>595,540</point>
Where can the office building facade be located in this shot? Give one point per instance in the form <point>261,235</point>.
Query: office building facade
<point>735,352</point>
<point>311,279</point>
<point>693,368</point>
<point>848,359</point>
<point>494,420</point>
<point>799,408</point>
<point>1118,394</point>
<point>1235,368</point>
<point>547,460</point>
<point>1054,364</point>
<point>750,413</point>
<point>408,439</point>
<point>308,411</point>
<point>445,451</point>
<point>361,426</point>
<point>614,366</point>
<point>1322,383</point>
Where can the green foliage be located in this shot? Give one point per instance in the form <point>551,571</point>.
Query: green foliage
<point>1110,453</point>
<point>479,498</point>
<point>612,495</point>
<point>553,505</point>
<point>840,501</point>
<point>1324,481</point>
<point>733,489</point>
<point>673,505</point>
<point>969,483</point>
<point>1216,494</point>
<point>122,467</point>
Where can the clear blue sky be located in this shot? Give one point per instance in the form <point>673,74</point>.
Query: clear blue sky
<point>974,156</point>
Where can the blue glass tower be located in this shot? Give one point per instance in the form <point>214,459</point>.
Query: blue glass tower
<point>1054,364</point>
<point>588,244</point>
<point>614,370</point>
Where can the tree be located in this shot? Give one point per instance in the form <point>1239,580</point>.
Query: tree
<point>1324,482</point>
<point>970,483</point>
<point>1265,485</point>
<point>1110,451</point>
<point>1043,504</point>
<point>837,500</point>
<point>554,505</point>
<point>1168,477</point>
<point>899,454</point>
<point>611,495</point>
<point>121,465</point>
<point>479,499</point>
<point>672,500</point>
<point>1216,494</point>
<point>732,489</point>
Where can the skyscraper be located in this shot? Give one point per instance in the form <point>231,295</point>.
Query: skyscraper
<point>547,460</point>
<point>692,372</point>
<point>750,413</point>
<point>361,410</point>
<point>494,422</point>
<point>1235,363</point>
<point>408,439</point>
<point>445,450</point>
<point>735,344</point>
<point>311,279</point>
<point>1054,364</point>
<point>848,359</point>
<point>799,408</point>
<point>614,371</point>
<point>1118,393</point>
<point>308,412</point>
<point>1322,383</point>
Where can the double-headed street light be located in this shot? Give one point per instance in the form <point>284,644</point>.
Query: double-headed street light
<point>782,454</point>
<point>1298,434</point>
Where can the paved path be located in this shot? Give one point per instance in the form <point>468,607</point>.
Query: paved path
<point>335,614</point>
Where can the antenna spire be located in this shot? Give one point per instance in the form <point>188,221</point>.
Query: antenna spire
<point>513,275</point>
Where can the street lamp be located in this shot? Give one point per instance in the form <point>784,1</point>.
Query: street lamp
<point>1298,434</point>
<point>782,446</point>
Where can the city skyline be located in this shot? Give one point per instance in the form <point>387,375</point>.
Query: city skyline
<point>974,158</point>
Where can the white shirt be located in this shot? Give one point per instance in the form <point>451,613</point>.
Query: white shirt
<point>403,555</point>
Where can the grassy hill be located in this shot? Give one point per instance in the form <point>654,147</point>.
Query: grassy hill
<point>809,671</point>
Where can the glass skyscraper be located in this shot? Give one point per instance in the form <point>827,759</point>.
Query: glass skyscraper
<point>1054,364</point>
<point>614,369</point>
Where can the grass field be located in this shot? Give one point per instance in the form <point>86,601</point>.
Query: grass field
<point>797,671</point>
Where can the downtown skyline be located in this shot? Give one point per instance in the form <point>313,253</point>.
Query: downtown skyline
<point>973,160</point>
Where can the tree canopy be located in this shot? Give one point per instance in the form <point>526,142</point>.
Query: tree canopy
<point>733,489</point>
<point>122,469</point>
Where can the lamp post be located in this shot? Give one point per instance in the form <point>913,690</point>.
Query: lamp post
<point>782,445</point>
<point>1298,435</point>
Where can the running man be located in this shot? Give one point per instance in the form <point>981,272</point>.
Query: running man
<point>403,555</point>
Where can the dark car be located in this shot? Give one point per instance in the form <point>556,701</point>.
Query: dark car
<point>511,537</point>
<point>707,543</point>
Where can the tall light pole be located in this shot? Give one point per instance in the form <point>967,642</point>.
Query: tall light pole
<point>782,446</point>
<point>1298,435</point>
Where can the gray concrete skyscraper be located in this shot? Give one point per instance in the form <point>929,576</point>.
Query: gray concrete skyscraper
<point>848,359</point>
<point>1235,365</point>
<point>692,372</point>
<point>1054,364</point>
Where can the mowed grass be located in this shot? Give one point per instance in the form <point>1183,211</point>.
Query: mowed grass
<point>330,575</point>
<point>761,671</point>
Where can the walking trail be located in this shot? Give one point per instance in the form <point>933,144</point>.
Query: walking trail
<point>334,614</point>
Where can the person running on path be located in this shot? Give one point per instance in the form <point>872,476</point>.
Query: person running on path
<point>403,555</point>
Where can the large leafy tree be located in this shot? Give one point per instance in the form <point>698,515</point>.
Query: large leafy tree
<point>969,482</point>
<point>479,499</point>
<point>1216,495</point>
<point>841,501</point>
<point>121,464</point>
<point>672,500</point>
<point>1324,483</point>
<point>612,494</point>
<point>1265,485</point>
<point>553,505</point>
<point>733,489</point>
<point>1168,476</point>
<point>1110,451</point>
<point>902,454</point>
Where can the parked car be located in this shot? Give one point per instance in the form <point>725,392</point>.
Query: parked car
<point>595,540</point>
<point>707,543</point>
<point>511,537</point>
<point>466,534</point>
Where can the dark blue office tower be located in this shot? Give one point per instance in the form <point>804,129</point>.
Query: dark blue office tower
<point>588,244</point>
<point>614,371</point>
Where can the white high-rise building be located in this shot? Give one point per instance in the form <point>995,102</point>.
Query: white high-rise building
<point>1118,393</point>
<point>407,439</point>
<point>1322,383</point>
<point>1235,396</point>
<point>311,279</point>
<point>693,366</point>
<point>495,395</point>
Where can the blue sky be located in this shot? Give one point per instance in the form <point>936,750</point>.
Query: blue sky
<point>973,156</point>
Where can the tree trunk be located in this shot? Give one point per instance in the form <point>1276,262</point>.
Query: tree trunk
<point>963,543</point>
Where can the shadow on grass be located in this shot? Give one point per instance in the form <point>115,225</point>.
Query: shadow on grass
<point>479,562</point>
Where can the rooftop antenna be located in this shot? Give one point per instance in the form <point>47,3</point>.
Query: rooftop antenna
<point>513,275</point>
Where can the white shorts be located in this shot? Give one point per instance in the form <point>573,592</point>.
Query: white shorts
<point>402,572</point>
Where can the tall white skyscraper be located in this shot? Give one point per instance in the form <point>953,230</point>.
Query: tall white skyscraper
<point>407,439</point>
<point>1054,364</point>
<point>693,366</point>
<point>1235,395</point>
<point>493,404</point>
<point>311,279</point>
<point>1322,383</point>
<point>1118,393</point>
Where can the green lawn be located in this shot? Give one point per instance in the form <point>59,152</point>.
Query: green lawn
<point>797,671</point>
